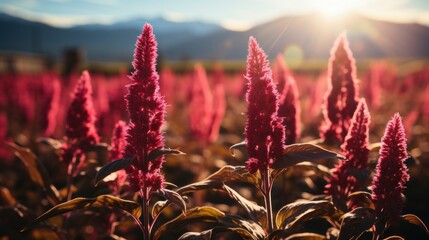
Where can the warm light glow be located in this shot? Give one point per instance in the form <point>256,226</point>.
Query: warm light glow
<point>337,8</point>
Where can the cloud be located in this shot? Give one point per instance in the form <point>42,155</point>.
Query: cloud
<point>53,19</point>
<point>235,25</point>
<point>103,2</point>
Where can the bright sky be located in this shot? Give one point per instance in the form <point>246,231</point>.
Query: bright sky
<point>233,14</point>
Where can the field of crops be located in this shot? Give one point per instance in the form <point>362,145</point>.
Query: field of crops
<point>337,149</point>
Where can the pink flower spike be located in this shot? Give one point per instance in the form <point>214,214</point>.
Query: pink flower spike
<point>345,178</point>
<point>289,108</point>
<point>391,172</point>
<point>341,99</point>
<point>200,105</point>
<point>264,131</point>
<point>146,108</point>
<point>117,145</point>
<point>80,122</point>
<point>219,103</point>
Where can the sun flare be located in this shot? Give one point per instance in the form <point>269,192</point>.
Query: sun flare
<point>336,8</point>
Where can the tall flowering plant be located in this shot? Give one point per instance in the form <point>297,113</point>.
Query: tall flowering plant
<point>80,132</point>
<point>117,145</point>
<point>391,173</point>
<point>264,130</point>
<point>139,146</point>
<point>146,109</point>
<point>341,99</point>
<point>200,105</point>
<point>289,108</point>
<point>382,208</point>
<point>347,175</point>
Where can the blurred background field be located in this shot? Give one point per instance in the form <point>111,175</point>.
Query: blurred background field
<point>40,63</point>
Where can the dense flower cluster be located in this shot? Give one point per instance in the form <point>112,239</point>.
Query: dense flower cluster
<point>341,100</point>
<point>200,105</point>
<point>117,146</point>
<point>345,178</point>
<point>81,133</point>
<point>219,103</point>
<point>391,171</point>
<point>146,110</point>
<point>80,125</point>
<point>206,106</point>
<point>289,108</point>
<point>264,130</point>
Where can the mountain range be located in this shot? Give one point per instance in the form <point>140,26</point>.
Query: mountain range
<point>311,37</point>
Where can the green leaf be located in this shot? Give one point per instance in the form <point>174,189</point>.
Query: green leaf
<point>30,161</point>
<point>361,199</point>
<point>305,236</point>
<point>356,222</point>
<point>237,146</point>
<point>103,201</point>
<point>413,219</point>
<point>173,197</point>
<point>295,214</point>
<point>225,174</point>
<point>156,153</point>
<point>204,235</point>
<point>305,168</point>
<point>296,153</point>
<point>234,173</point>
<point>202,185</point>
<point>209,234</point>
<point>214,216</point>
<point>112,167</point>
<point>248,225</point>
<point>394,238</point>
<point>198,214</point>
<point>257,213</point>
<point>158,207</point>
<point>285,235</point>
<point>36,171</point>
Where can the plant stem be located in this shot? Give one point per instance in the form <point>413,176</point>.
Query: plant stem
<point>145,215</point>
<point>267,197</point>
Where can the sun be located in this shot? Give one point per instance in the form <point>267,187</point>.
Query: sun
<point>336,8</point>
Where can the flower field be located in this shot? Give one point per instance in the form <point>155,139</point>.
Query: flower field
<point>260,151</point>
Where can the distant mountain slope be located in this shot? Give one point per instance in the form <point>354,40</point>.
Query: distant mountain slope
<point>161,25</point>
<point>100,42</point>
<point>314,34</point>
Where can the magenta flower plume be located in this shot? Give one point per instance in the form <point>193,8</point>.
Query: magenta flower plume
<point>355,148</point>
<point>117,146</point>
<point>53,108</point>
<point>264,130</point>
<point>219,103</point>
<point>146,109</point>
<point>341,99</point>
<point>117,143</point>
<point>80,121</point>
<point>289,108</point>
<point>391,171</point>
<point>200,106</point>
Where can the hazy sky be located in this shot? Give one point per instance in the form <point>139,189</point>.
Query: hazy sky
<point>233,14</point>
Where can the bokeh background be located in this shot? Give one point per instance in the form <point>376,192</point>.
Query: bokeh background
<point>45,45</point>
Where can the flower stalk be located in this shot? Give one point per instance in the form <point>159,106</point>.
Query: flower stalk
<point>146,108</point>
<point>265,134</point>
